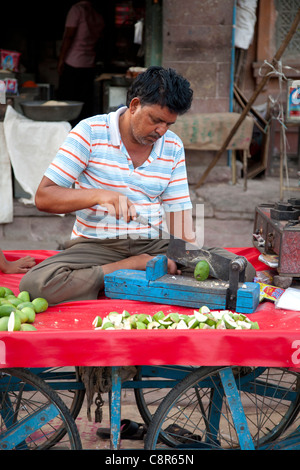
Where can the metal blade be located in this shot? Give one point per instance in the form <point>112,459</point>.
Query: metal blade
<point>188,254</point>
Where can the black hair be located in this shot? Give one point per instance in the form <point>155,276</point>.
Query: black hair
<point>165,87</point>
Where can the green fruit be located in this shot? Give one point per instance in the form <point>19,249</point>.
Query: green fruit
<point>158,316</point>
<point>174,317</point>
<point>40,304</point>
<point>107,325</point>
<point>204,309</point>
<point>6,309</point>
<point>30,314</point>
<point>8,291</point>
<point>27,327</point>
<point>14,322</point>
<point>4,323</point>
<point>165,322</point>
<point>140,325</point>
<point>13,300</point>
<point>193,323</point>
<point>201,271</point>
<point>22,315</point>
<point>2,291</point>
<point>143,318</point>
<point>229,321</point>
<point>97,322</point>
<point>185,318</point>
<point>115,318</point>
<point>25,304</point>
<point>200,316</point>
<point>24,296</point>
<point>153,325</point>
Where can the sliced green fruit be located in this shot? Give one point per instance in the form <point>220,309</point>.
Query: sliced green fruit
<point>108,325</point>
<point>229,321</point>
<point>220,325</point>
<point>174,317</point>
<point>182,325</point>
<point>158,316</point>
<point>211,321</point>
<point>193,323</point>
<point>165,322</point>
<point>40,304</point>
<point>201,271</point>
<point>115,318</point>
<point>185,318</point>
<point>97,322</point>
<point>204,309</point>
<point>142,317</point>
<point>125,314</point>
<point>200,317</point>
<point>14,322</point>
<point>153,325</point>
<point>244,324</point>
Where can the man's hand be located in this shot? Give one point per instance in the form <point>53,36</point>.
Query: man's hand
<point>117,205</point>
<point>56,199</point>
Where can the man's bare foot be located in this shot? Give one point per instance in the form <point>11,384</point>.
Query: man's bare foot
<point>137,262</point>
<point>172,267</point>
<point>19,266</point>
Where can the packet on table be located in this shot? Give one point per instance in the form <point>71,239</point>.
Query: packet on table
<point>268,292</point>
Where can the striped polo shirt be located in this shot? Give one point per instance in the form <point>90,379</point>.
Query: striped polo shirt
<point>93,156</point>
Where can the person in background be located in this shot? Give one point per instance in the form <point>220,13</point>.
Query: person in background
<point>19,266</point>
<point>76,64</point>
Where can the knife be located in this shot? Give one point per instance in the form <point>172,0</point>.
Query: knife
<point>189,254</point>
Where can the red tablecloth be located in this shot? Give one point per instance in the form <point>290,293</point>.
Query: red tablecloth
<point>66,337</point>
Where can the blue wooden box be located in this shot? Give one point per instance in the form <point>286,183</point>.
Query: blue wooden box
<point>155,285</point>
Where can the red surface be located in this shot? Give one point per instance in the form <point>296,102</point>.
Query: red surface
<point>66,337</point>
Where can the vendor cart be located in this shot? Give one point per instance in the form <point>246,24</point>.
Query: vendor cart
<point>219,389</point>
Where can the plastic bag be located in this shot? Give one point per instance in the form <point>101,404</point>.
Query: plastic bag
<point>289,300</point>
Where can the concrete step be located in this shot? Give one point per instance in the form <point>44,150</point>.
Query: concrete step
<point>228,216</point>
<point>33,229</point>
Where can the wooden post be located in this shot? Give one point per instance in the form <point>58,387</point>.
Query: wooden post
<point>245,111</point>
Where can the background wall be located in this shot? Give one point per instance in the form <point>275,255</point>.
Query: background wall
<point>197,38</point>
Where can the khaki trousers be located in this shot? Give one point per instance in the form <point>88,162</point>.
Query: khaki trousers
<point>76,273</point>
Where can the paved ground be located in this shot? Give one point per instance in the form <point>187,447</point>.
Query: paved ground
<point>228,216</point>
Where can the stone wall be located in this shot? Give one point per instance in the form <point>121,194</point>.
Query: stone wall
<point>197,38</point>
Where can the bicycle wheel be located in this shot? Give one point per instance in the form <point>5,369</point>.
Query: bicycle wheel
<point>196,412</point>
<point>155,383</point>
<point>31,412</point>
<point>67,384</point>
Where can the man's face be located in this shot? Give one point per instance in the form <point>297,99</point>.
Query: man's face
<point>149,122</point>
